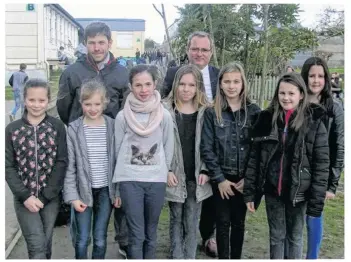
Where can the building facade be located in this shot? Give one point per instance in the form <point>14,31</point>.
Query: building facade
<point>127,34</point>
<point>34,34</point>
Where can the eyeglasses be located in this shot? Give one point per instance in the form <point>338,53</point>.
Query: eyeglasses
<point>202,50</point>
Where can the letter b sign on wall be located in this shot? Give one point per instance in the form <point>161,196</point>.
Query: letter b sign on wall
<point>30,7</point>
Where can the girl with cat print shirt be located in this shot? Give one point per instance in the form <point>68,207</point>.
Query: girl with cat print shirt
<point>88,182</point>
<point>188,182</point>
<point>144,149</point>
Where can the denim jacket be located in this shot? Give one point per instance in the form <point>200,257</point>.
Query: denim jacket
<point>225,146</point>
<point>179,192</point>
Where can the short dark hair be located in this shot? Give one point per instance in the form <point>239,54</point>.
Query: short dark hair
<point>35,83</point>
<point>97,28</point>
<point>23,66</point>
<point>140,69</point>
<point>62,48</point>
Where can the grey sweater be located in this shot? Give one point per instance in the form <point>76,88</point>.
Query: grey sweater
<point>77,184</point>
<point>143,159</point>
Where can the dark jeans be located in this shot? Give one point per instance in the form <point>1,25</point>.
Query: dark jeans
<point>101,212</point>
<point>285,220</point>
<point>184,220</point>
<point>38,227</point>
<point>207,225</point>
<point>120,224</point>
<point>142,203</point>
<point>230,216</point>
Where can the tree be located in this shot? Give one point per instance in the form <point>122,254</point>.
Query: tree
<point>332,23</point>
<point>265,54</point>
<point>163,15</point>
<point>149,44</point>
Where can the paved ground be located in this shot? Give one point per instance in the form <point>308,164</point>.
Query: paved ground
<point>12,226</point>
<point>62,246</point>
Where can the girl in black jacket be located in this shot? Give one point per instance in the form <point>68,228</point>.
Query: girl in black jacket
<point>35,163</point>
<point>224,149</point>
<point>289,164</point>
<point>317,79</point>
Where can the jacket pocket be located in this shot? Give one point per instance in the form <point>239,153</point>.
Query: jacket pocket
<point>305,180</point>
<point>222,129</point>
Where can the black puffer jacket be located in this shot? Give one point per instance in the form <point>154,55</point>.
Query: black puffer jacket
<point>113,75</point>
<point>225,146</point>
<point>309,168</point>
<point>335,126</point>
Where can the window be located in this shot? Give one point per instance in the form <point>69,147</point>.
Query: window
<point>124,40</point>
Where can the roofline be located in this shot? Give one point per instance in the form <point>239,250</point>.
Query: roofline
<point>60,8</point>
<point>111,19</point>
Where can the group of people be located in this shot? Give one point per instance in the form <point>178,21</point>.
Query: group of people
<point>199,143</point>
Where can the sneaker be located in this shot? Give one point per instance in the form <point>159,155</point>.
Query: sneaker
<point>123,251</point>
<point>210,247</point>
<point>12,117</point>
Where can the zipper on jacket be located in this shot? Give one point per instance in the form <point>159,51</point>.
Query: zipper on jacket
<point>36,158</point>
<point>285,132</point>
<point>299,173</point>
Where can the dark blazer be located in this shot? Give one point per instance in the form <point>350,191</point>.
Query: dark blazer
<point>171,72</point>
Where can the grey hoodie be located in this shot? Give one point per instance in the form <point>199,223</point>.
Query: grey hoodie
<point>77,184</point>
<point>179,192</point>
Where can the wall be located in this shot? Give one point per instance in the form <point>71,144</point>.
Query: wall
<point>21,35</point>
<point>125,52</point>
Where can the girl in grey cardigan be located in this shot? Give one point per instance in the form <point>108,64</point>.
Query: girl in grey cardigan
<point>88,182</point>
<point>188,182</point>
<point>144,149</point>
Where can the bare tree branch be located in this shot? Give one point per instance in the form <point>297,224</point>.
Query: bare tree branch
<point>157,10</point>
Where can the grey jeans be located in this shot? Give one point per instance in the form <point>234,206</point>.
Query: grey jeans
<point>142,202</point>
<point>285,220</point>
<point>38,227</point>
<point>184,221</point>
<point>121,229</point>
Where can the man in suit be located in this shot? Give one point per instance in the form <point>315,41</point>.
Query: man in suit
<point>199,51</point>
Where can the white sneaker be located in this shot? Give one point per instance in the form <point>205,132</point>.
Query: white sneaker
<point>11,117</point>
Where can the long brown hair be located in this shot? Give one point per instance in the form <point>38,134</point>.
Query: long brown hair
<point>221,102</point>
<point>296,80</point>
<point>200,98</point>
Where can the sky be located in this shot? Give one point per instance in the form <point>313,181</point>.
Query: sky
<point>154,27</point>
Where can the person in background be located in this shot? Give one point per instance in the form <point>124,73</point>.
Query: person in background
<point>62,57</point>
<point>17,82</point>
<point>290,69</point>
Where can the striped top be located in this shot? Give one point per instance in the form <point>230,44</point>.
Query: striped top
<point>95,137</point>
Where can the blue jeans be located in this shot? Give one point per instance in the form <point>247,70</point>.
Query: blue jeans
<point>38,227</point>
<point>142,203</point>
<point>19,103</point>
<point>183,224</point>
<point>101,212</point>
<point>285,220</point>
<point>314,236</point>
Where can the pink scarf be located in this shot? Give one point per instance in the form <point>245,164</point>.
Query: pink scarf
<point>152,106</point>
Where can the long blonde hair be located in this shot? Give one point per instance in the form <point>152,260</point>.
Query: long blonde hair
<point>200,98</point>
<point>221,102</point>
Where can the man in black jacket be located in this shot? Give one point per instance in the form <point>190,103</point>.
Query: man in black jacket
<point>98,63</point>
<point>199,52</point>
